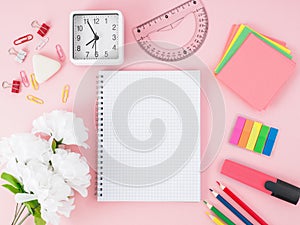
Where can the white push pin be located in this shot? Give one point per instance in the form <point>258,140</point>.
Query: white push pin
<point>20,55</point>
<point>44,67</point>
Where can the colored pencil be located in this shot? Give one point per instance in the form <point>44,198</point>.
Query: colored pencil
<point>231,208</point>
<point>218,213</point>
<point>242,204</point>
<point>215,219</point>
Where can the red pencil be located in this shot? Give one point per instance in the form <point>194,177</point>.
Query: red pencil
<point>242,204</point>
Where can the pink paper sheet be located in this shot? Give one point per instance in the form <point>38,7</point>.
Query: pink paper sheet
<point>256,72</point>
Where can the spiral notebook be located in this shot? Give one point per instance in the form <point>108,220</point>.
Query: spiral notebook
<point>148,136</point>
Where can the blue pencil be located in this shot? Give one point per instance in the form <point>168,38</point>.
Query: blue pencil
<point>231,208</point>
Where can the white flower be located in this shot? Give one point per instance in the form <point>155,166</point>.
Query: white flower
<point>51,191</point>
<point>62,125</point>
<point>73,168</point>
<point>24,147</point>
<point>48,175</point>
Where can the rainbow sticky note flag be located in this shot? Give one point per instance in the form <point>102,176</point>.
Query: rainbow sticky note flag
<point>254,136</point>
<point>254,66</point>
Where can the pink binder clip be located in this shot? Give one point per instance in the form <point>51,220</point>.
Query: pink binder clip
<point>60,53</point>
<point>43,29</point>
<point>15,86</point>
<point>24,79</point>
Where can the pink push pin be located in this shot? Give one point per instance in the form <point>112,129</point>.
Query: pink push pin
<point>24,79</point>
<point>15,86</point>
<point>43,29</point>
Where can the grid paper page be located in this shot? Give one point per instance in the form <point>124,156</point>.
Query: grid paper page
<point>149,136</point>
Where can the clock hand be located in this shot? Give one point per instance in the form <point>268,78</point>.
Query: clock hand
<point>90,42</point>
<point>95,46</point>
<point>91,28</point>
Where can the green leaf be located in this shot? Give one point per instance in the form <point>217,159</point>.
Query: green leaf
<point>54,145</point>
<point>39,221</point>
<point>37,214</point>
<point>11,188</point>
<point>28,207</point>
<point>33,207</point>
<point>12,180</point>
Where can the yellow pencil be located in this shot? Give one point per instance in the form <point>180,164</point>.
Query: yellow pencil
<point>215,219</point>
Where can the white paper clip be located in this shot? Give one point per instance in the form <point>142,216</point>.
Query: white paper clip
<point>42,43</point>
<point>20,55</point>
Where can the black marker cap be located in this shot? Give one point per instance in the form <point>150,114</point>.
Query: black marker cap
<point>284,191</point>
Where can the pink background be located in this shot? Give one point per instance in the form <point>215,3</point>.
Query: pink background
<point>278,19</point>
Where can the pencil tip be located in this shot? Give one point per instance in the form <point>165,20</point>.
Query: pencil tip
<point>218,183</point>
<point>205,202</point>
<point>207,213</point>
<point>211,190</point>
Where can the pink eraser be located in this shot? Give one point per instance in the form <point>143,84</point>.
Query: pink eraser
<point>247,175</point>
<point>237,131</point>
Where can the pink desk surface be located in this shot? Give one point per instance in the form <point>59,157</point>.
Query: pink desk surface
<point>278,19</point>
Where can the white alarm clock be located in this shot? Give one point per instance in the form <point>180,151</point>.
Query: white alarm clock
<point>97,37</point>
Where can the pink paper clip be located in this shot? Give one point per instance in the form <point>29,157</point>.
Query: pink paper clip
<point>15,86</point>
<point>24,79</point>
<point>43,29</point>
<point>23,39</point>
<point>60,53</point>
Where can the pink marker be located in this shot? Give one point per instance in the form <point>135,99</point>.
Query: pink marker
<point>237,131</point>
<point>260,181</point>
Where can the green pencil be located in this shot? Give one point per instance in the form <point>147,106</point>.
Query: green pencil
<point>219,214</point>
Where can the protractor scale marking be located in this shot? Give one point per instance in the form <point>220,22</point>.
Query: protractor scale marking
<point>168,20</point>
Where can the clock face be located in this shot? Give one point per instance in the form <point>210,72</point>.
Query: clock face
<point>97,37</point>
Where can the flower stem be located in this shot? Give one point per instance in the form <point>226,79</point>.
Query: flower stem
<point>18,214</point>
<point>24,218</point>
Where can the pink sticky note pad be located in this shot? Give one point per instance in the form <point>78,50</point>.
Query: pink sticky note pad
<point>256,72</point>
<point>237,131</point>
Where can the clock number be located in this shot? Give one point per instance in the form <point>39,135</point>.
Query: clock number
<point>105,54</point>
<point>105,20</point>
<point>80,28</point>
<point>96,54</point>
<point>78,48</point>
<point>78,37</point>
<point>87,53</point>
<point>114,27</point>
<point>96,21</point>
<point>114,37</point>
<point>114,47</point>
<point>85,21</point>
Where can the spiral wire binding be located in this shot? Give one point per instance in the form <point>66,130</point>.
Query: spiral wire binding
<point>100,133</point>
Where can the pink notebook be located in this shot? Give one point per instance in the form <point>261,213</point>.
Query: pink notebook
<point>256,72</point>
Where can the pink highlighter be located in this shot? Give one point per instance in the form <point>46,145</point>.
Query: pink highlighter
<point>263,182</point>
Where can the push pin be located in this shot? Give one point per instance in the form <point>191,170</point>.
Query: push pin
<point>43,29</point>
<point>20,55</point>
<point>15,86</point>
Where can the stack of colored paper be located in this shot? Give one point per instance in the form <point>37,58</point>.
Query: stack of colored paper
<point>254,66</point>
<point>253,136</point>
